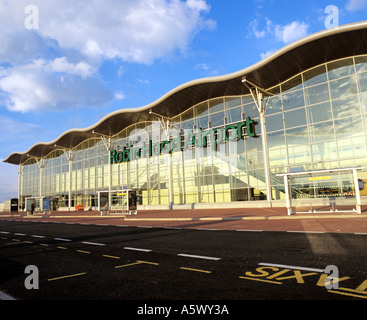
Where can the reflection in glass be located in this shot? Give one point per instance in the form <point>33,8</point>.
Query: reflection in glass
<point>274,105</point>
<point>346,107</point>
<point>293,100</point>
<point>202,122</point>
<point>292,84</point>
<point>274,122</point>
<point>251,110</point>
<point>315,76</point>
<point>295,118</point>
<point>216,105</point>
<point>325,151</point>
<point>322,132</point>
<point>317,94</point>
<point>319,112</point>
<point>364,102</point>
<point>201,109</point>
<point>352,147</point>
<point>299,154</point>
<point>343,127</point>
<point>232,102</point>
<point>362,81</point>
<point>343,87</point>
<point>276,139</point>
<point>217,119</point>
<point>297,136</point>
<point>340,68</point>
<point>234,115</point>
<point>361,63</point>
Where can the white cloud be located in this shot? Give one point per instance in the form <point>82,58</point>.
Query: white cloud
<point>132,30</point>
<point>52,85</point>
<point>75,37</point>
<point>82,68</point>
<point>254,26</point>
<point>266,54</point>
<point>291,32</point>
<point>283,33</point>
<point>355,5</point>
<point>119,95</point>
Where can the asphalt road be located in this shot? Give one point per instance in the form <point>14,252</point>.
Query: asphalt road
<point>98,262</point>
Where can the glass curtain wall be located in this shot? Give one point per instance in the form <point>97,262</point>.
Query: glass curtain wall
<point>315,120</point>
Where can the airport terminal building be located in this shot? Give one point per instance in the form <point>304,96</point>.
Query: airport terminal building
<point>223,141</point>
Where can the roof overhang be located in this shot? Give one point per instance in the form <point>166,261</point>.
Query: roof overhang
<point>318,48</point>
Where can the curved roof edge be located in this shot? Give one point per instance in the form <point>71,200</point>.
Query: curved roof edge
<point>317,48</point>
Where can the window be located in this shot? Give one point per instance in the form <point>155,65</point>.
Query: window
<point>216,105</point>
<point>297,136</point>
<point>346,107</point>
<point>348,127</point>
<point>274,122</point>
<point>340,69</point>
<point>276,140</point>
<point>315,76</point>
<point>319,112</point>
<point>361,64</point>
<point>322,132</point>
<point>292,84</point>
<point>343,87</point>
<point>295,118</point>
<point>293,100</point>
<point>317,94</point>
<point>362,81</point>
<point>232,102</point>
<point>201,109</point>
<point>234,115</point>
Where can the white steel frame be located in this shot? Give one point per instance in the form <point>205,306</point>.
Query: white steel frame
<point>288,194</point>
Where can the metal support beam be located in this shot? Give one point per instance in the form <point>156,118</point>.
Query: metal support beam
<point>70,157</point>
<point>166,126</point>
<point>357,192</point>
<point>107,141</point>
<point>288,196</point>
<point>20,174</point>
<point>41,165</point>
<point>257,94</point>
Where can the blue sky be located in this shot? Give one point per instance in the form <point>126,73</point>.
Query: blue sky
<point>65,64</point>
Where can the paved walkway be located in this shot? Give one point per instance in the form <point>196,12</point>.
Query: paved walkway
<point>247,219</point>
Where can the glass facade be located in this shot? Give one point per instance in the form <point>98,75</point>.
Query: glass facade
<point>315,120</point>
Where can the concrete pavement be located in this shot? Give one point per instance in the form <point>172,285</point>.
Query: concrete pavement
<point>247,219</point>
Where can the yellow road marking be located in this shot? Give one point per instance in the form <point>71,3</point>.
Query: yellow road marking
<point>69,276</point>
<point>82,251</point>
<point>196,270</point>
<point>352,290</point>
<point>136,263</point>
<point>147,262</point>
<point>130,264</point>
<point>260,280</point>
<point>347,294</point>
<point>15,240</point>
<point>62,248</point>
<point>112,257</point>
<point>44,245</point>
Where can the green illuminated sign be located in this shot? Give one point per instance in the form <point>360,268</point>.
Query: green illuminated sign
<point>201,138</point>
